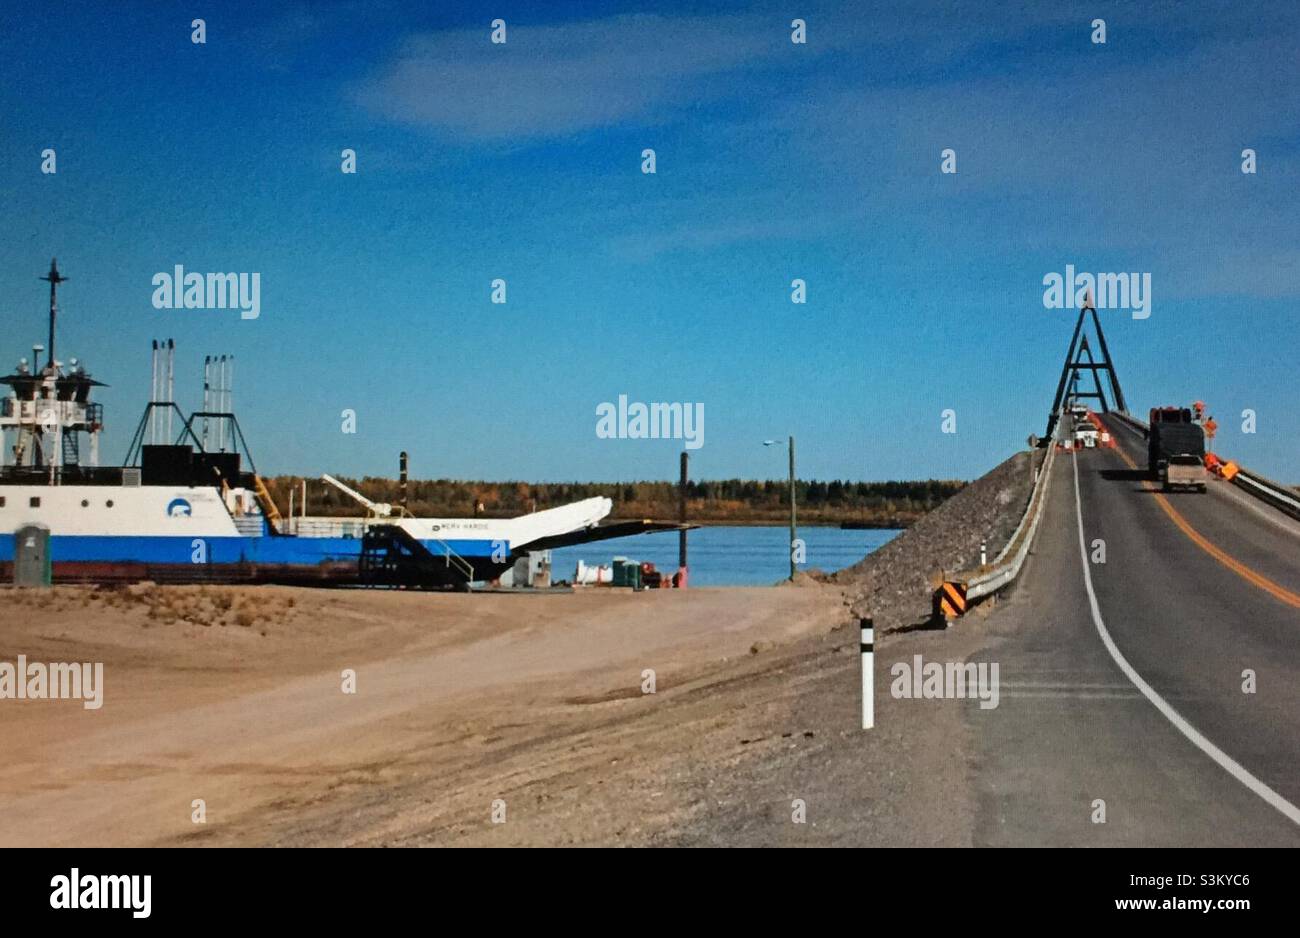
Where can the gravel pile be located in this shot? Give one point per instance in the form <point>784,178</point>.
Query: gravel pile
<point>894,585</point>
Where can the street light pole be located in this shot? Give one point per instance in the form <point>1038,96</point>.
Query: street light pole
<point>792,511</point>
<point>793,519</point>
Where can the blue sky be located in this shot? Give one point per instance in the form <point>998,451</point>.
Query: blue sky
<point>775,161</point>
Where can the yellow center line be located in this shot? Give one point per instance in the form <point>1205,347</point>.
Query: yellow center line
<point>1236,566</point>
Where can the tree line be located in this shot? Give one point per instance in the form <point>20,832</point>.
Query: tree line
<point>736,501</point>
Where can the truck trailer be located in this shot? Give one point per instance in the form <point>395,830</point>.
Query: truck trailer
<point>1176,449</point>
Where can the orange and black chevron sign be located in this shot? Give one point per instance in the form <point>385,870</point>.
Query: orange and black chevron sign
<point>950,598</point>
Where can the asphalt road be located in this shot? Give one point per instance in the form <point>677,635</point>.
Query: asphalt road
<point>1195,590</point>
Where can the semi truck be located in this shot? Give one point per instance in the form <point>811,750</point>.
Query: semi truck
<point>1176,449</point>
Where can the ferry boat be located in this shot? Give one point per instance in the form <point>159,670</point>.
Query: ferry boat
<point>188,505</point>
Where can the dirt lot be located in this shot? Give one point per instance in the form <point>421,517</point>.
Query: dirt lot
<point>234,696</point>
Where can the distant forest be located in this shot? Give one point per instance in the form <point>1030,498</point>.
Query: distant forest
<point>729,501</point>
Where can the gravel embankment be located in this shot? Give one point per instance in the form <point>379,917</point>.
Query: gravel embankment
<point>894,584</point>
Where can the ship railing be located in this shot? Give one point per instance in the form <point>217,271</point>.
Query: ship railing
<point>249,525</point>
<point>327,527</point>
<point>70,475</point>
<point>456,560</point>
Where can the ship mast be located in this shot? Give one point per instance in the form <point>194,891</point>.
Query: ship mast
<point>47,408</point>
<point>54,279</point>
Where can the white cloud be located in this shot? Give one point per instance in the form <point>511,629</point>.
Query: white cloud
<point>554,80</point>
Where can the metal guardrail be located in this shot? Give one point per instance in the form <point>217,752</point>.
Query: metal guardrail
<point>1006,565</point>
<point>1276,494</point>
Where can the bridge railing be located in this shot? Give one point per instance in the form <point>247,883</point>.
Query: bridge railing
<point>1284,499</point>
<point>1006,565</point>
<point>1139,425</point>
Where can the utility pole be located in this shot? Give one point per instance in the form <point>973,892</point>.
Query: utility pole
<point>793,518</point>
<point>792,511</point>
<point>681,516</point>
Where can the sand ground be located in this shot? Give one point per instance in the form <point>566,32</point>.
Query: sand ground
<point>234,696</point>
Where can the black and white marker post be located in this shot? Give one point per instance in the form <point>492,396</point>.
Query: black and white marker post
<point>868,673</point>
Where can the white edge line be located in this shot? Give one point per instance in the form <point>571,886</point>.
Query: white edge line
<point>1233,768</point>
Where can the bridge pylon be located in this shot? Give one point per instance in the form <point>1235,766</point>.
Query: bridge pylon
<point>1079,361</point>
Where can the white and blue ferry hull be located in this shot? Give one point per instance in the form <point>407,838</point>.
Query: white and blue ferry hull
<point>99,532</point>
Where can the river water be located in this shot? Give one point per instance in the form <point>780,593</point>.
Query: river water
<point>729,556</point>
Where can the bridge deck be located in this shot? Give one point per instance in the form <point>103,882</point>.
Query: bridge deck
<point>1072,727</point>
